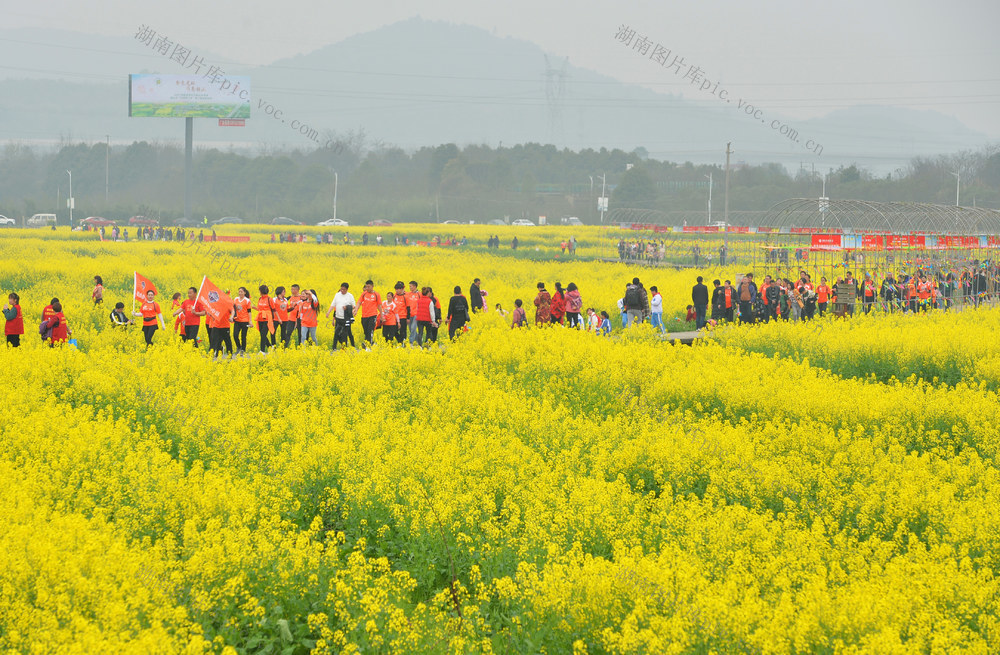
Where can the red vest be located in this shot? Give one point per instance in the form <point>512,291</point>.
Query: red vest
<point>16,324</point>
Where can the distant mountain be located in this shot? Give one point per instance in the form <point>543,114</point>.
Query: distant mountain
<point>419,82</point>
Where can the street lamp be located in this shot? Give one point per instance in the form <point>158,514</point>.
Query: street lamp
<point>336,183</point>
<point>70,173</point>
<point>958,182</point>
<point>709,176</point>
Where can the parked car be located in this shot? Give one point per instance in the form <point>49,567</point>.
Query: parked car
<point>523,222</point>
<point>333,222</point>
<point>97,221</point>
<point>380,222</point>
<point>187,222</point>
<point>451,222</point>
<point>570,220</point>
<point>497,221</point>
<point>42,220</point>
<point>7,221</point>
<point>142,221</point>
<point>228,220</point>
<point>282,220</point>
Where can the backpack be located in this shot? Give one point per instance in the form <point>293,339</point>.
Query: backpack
<point>745,291</point>
<point>574,304</point>
<point>633,299</point>
<point>46,327</point>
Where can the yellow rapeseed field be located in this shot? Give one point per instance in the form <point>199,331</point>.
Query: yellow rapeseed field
<point>517,491</point>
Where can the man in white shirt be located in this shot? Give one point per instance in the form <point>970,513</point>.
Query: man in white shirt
<point>342,319</point>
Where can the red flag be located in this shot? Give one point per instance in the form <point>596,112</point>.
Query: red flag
<point>216,302</point>
<point>142,285</point>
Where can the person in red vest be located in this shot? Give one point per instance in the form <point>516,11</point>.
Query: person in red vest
<point>389,316</point>
<point>241,321</point>
<point>265,318</point>
<point>61,331</point>
<point>192,312</point>
<point>822,296</point>
<point>402,312</point>
<point>307,310</point>
<point>368,303</point>
<point>868,293</point>
<point>729,301</point>
<point>151,317</point>
<point>14,326</point>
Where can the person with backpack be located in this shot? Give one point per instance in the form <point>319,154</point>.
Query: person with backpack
<point>519,318</point>
<point>343,316</point>
<point>699,298</point>
<point>458,313</point>
<point>747,294</point>
<point>635,303</point>
<point>151,317</point>
<point>543,305</point>
<point>14,321</point>
<point>574,305</point>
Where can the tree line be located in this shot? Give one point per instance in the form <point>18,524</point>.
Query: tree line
<point>445,182</point>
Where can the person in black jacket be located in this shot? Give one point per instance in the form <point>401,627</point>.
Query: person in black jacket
<point>475,296</point>
<point>458,312</point>
<point>718,301</point>
<point>699,298</point>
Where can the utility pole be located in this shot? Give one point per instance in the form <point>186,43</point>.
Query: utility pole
<point>107,169</point>
<point>70,173</point>
<point>604,196</point>
<point>958,183</point>
<point>336,183</point>
<point>709,176</point>
<point>725,239</point>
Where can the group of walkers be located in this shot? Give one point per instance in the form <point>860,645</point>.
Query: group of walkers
<point>780,298</point>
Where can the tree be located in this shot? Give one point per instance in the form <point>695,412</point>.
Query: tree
<point>635,190</point>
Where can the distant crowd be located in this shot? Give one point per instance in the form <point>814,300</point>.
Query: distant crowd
<point>780,298</point>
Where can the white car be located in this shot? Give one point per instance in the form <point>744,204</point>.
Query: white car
<point>523,222</point>
<point>7,221</point>
<point>333,222</point>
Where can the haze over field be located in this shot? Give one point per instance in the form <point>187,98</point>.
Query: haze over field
<point>868,85</point>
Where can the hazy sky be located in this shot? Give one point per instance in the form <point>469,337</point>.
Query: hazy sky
<point>799,58</point>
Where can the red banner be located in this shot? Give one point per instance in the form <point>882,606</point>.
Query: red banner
<point>871,242</point>
<point>826,242</point>
<point>142,285</point>
<point>215,301</point>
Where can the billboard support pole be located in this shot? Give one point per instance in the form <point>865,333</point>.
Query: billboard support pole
<point>188,140</point>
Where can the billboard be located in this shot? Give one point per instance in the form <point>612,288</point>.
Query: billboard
<point>188,96</point>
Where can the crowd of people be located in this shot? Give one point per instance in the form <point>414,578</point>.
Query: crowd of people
<point>780,298</point>
<point>654,251</point>
<point>407,313</point>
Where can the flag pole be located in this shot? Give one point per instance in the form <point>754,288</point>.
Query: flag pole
<point>135,286</point>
